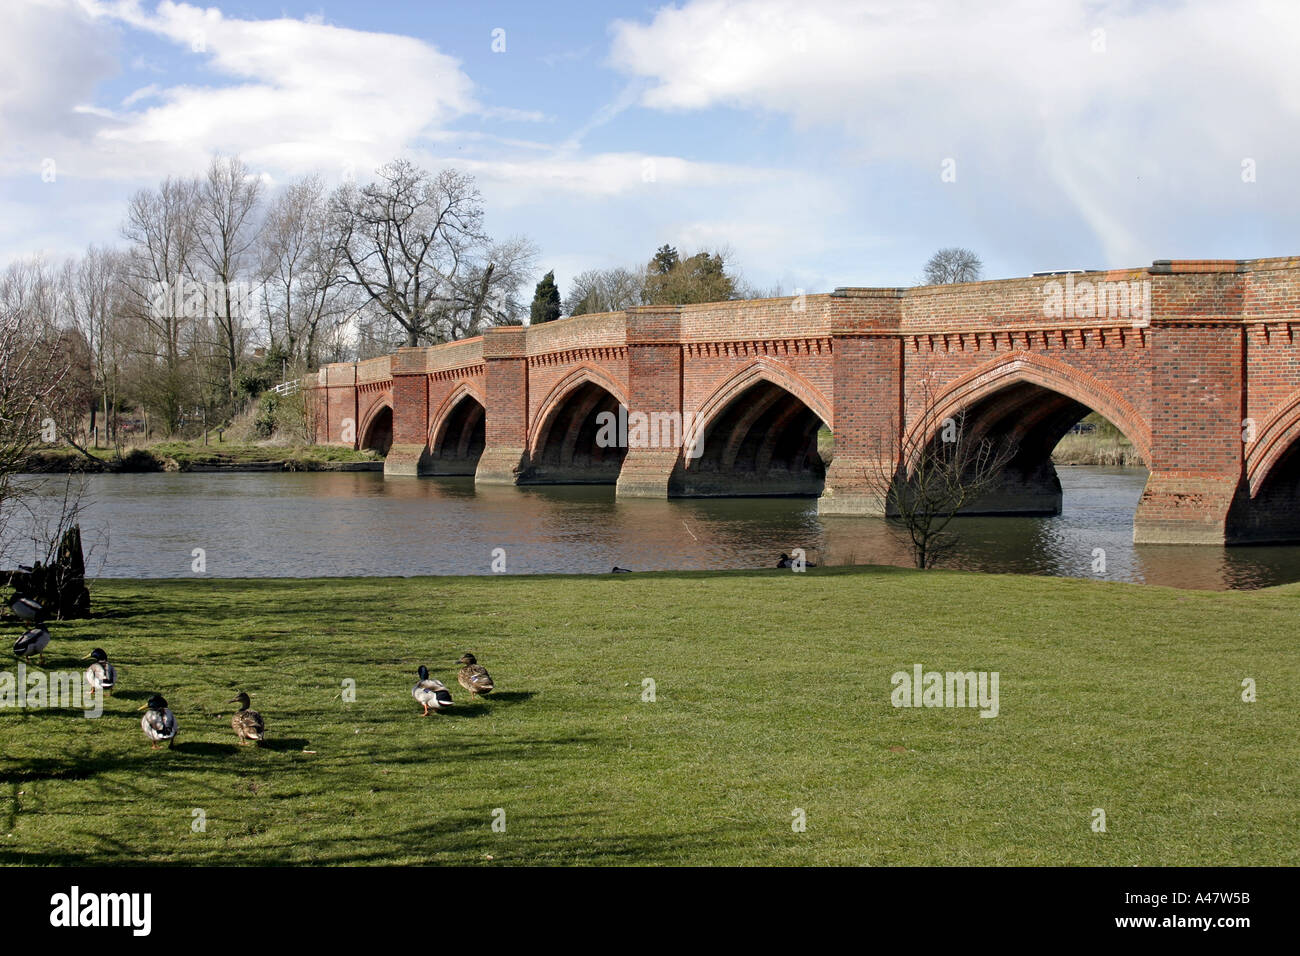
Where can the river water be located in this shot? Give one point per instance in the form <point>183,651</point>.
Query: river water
<point>327,524</point>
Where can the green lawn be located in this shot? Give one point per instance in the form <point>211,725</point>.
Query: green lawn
<point>773,693</point>
<point>187,455</point>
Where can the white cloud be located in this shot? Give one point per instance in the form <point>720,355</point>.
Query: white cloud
<point>1132,125</point>
<point>289,95</point>
<point>603,175</point>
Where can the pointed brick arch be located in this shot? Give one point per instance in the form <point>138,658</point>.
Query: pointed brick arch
<point>1274,439</point>
<point>737,383</point>
<point>1045,372</point>
<point>384,404</point>
<point>560,393</point>
<point>463,391</point>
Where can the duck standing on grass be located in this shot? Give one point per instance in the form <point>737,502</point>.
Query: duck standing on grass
<point>430,692</point>
<point>27,609</point>
<point>32,642</point>
<point>248,724</point>
<point>100,675</point>
<point>158,722</point>
<point>474,677</point>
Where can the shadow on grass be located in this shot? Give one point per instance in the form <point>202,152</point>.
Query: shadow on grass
<point>202,748</point>
<point>459,838</point>
<point>510,696</point>
<point>57,768</point>
<point>141,695</point>
<point>120,607</point>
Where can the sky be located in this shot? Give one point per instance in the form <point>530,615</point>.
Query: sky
<point>825,144</point>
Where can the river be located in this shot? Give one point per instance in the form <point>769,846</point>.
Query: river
<point>328,524</point>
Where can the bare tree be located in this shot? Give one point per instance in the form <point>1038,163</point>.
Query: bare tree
<point>931,469</point>
<point>38,381</point>
<point>605,290</point>
<point>953,265</point>
<point>407,241</point>
<point>306,302</point>
<point>226,230</point>
<point>491,295</point>
<point>161,227</point>
<point>93,291</point>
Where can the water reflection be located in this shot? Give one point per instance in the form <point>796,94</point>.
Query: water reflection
<point>254,525</point>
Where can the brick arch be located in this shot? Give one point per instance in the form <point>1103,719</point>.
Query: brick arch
<point>377,408</point>
<point>737,383</point>
<point>559,394</point>
<point>1045,372</point>
<point>439,419</point>
<point>1274,440</point>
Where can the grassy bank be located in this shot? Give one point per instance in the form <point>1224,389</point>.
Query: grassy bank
<point>1102,444</point>
<point>195,456</point>
<point>773,694</point>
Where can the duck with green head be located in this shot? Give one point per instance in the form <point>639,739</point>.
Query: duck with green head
<point>158,722</point>
<point>100,675</point>
<point>430,692</point>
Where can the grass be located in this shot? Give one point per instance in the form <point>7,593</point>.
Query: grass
<point>187,455</point>
<point>773,693</point>
<point>196,453</point>
<point>1103,445</point>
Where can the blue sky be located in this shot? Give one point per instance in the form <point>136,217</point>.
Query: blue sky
<point>810,137</point>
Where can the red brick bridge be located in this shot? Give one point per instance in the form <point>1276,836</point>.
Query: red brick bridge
<point>1195,361</point>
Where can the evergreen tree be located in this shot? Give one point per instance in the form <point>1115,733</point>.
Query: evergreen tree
<point>700,278</point>
<point>664,261</point>
<point>546,300</point>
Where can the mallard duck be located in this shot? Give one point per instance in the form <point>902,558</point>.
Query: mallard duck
<point>248,724</point>
<point>158,722</point>
<point>474,677</point>
<point>32,642</point>
<point>430,692</point>
<point>617,570</point>
<point>26,608</point>
<point>101,675</point>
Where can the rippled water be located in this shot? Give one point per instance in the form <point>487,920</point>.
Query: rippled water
<point>295,525</point>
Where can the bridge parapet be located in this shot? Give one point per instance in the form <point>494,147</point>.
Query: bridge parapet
<point>757,319</point>
<point>596,330</point>
<point>375,370</point>
<point>438,358</point>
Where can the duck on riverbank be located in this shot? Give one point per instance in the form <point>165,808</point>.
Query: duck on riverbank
<point>474,677</point>
<point>158,722</point>
<point>33,641</point>
<point>248,724</point>
<point>100,675</point>
<point>430,692</point>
